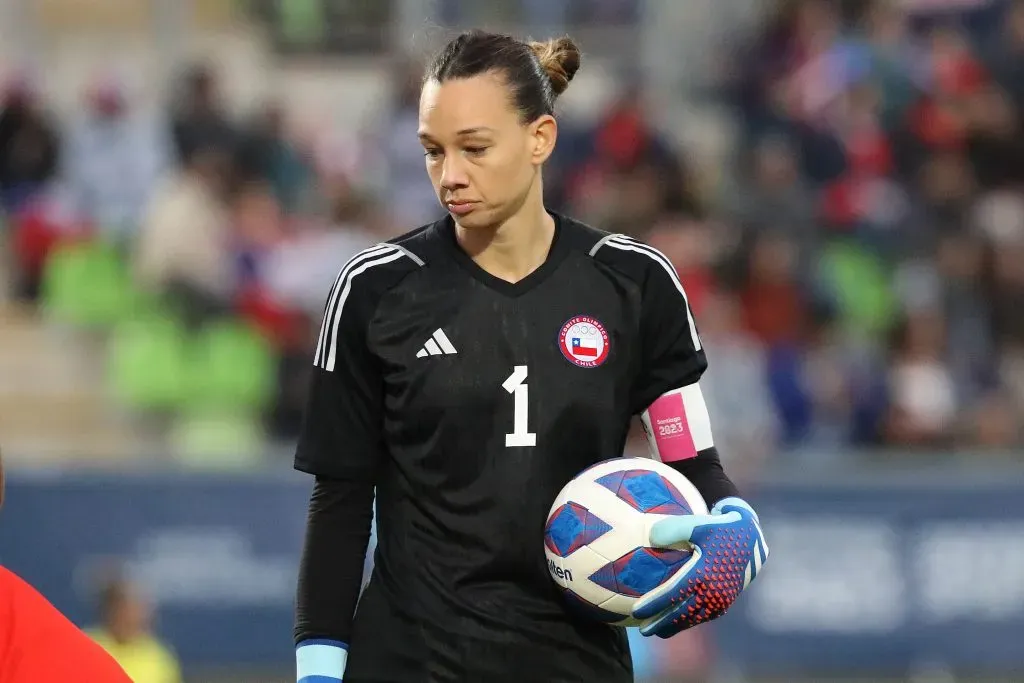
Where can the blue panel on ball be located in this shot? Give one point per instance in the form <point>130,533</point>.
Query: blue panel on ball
<point>593,528</point>
<point>676,503</point>
<point>633,574</point>
<point>571,527</point>
<point>605,577</point>
<point>563,528</point>
<point>672,559</point>
<point>612,481</point>
<point>646,491</point>
<point>640,572</point>
<point>652,493</point>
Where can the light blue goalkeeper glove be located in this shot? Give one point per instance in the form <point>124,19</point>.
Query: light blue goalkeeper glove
<point>320,661</point>
<point>729,552</point>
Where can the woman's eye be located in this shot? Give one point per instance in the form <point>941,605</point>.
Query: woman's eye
<point>432,153</point>
<point>476,151</point>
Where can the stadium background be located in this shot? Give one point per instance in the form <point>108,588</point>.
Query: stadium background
<point>840,185</point>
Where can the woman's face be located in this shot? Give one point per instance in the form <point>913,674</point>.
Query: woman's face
<point>482,160</point>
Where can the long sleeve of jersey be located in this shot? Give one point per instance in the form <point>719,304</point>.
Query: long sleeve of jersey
<point>330,574</point>
<point>706,473</point>
<point>342,445</point>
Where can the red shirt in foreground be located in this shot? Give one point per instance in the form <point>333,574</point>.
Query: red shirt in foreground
<point>38,644</point>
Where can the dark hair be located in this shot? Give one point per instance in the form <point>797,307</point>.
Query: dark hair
<point>536,72</point>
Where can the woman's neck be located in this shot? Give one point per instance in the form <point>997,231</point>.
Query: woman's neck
<point>515,248</point>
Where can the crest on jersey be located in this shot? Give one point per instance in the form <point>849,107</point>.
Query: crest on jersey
<point>584,341</point>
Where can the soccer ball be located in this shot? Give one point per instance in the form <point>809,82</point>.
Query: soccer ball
<point>597,537</point>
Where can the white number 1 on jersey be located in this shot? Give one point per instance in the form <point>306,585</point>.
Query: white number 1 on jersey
<point>520,436</point>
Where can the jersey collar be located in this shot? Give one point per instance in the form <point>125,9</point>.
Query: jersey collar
<point>557,252</point>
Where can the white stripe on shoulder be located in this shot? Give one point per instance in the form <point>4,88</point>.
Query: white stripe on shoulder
<point>654,253</point>
<point>602,242</point>
<point>379,260</point>
<point>332,298</point>
<point>625,243</point>
<point>327,346</point>
<point>415,259</point>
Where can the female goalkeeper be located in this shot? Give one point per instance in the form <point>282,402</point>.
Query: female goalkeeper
<point>465,372</point>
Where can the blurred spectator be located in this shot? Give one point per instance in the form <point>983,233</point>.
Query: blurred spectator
<point>947,190</point>
<point>184,248</point>
<point>994,423</point>
<point>828,388</point>
<point>625,173</point>
<point>924,406</point>
<point>294,274</point>
<point>773,196</point>
<point>198,118</point>
<point>257,226</point>
<point>1005,56</point>
<point>125,630</point>
<point>693,247</point>
<point>44,222</point>
<point>1008,296</point>
<point>995,144</point>
<point>747,429</point>
<point>998,217</point>
<point>624,137</point>
<point>774,303</point>
<point>115,156</point>
<point>268,154</point>
<point>29,144</point>
<point>962,263</point>
<point>895,59</point>
<point>410,196</point>
<point>296,269</point>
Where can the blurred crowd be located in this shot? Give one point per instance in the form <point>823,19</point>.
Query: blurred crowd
<point>855,266</point>
<point>876,225</point>
<point>856,271</point>
<point>215,217</point>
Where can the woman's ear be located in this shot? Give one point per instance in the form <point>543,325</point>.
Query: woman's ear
<point>543,134</point>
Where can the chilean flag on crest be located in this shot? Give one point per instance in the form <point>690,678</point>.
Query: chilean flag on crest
<point>583,348</point>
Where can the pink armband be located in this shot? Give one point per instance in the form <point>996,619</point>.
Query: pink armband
<point>677,424</point>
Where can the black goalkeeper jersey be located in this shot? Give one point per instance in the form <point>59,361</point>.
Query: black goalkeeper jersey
<point>469,402</point>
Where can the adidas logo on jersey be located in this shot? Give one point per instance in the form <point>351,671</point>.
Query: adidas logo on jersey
<point>437,345</point>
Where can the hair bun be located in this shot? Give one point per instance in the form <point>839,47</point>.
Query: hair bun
<point>560,59</point>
